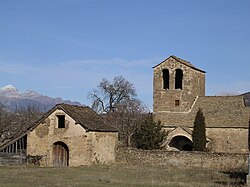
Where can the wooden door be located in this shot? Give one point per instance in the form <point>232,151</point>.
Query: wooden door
<point>60,155</point>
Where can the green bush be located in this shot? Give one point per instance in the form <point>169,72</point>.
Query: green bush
<point>150,135</point>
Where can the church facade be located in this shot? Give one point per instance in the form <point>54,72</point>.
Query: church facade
<point>179,93</point>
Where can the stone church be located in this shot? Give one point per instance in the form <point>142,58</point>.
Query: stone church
<point>179,93</point>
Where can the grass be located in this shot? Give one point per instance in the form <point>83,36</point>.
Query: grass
<point>113,176</point>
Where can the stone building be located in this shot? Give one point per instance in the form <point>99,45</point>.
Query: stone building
<point>67,135</point>
<point>179,92</point>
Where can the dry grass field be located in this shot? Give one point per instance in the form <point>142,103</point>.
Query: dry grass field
<point>113,176</point>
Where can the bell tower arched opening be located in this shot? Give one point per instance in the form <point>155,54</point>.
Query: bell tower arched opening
<point>165,77</point>
<point>178,79</point>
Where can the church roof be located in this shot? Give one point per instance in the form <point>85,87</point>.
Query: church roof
<point>218,111</point>
<point>223,111</point>
<point>187,63</point>
<point>84,116</point>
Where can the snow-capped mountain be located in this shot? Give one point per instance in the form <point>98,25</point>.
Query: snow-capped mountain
<point>9,91</point>
<point>12,98</point>
<point>30,94</point>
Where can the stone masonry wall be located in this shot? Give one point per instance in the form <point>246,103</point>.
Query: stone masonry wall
<point>216,161</point>
<point>104,144</point>
<point>85,148</point>
<point>222,139</point>
<point>193,85</point>
<point>229,140</point>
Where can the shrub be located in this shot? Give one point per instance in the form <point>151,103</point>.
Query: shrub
<point>150,135</point>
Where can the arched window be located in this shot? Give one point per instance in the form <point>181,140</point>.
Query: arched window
<point>165,76</point>
<point>178,79</point>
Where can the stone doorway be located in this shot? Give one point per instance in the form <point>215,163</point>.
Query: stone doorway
<point>60,154</point>
<point>181,143</point>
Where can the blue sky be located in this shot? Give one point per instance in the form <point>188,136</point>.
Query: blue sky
<point>65,47</point>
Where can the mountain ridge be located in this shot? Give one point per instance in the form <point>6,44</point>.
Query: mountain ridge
<point>11,98</point>
<point>247,98</point>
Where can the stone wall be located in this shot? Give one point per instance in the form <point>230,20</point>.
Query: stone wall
<point>217,111</point>
<point>193,85</point>
<point>220,139</point>
<point>12,158</point>
<point>215,161</point>
<point>103,147</point>
<point>229,140</point>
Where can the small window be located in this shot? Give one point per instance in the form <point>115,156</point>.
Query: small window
<point>177,102</point>
<point>61,121</point>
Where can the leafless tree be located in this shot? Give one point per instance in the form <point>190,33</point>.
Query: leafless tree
<point>5,117</point>
<point>117,101</point>
<point>27,114</point>
<point>109,94</point>
<point>17,122</point>
<point>21,119</point>
<point>127,118</point>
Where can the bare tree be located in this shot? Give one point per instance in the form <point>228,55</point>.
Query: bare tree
<point>109,94</point>
<point>22,118</point>
<point>117,100</point>
<point>27,114</point>
<point>127,118</point>
<point>4,117</point>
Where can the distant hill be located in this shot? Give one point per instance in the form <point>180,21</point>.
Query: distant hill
<point>12,98</point>
<point>247,98</point>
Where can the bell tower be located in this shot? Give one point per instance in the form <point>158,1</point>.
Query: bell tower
<point>176,85</point>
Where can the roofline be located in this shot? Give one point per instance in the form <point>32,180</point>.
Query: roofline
<point>60,107</point>
<point>13,141</point>
<point>174,57</point>
<point>183,128</point>
<point>226,96</point>
<point>102,130</point>
<point>56,107</point>
<point>43,117</point>
<point>209,127</point>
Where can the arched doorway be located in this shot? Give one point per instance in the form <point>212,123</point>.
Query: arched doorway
<point>182,143</point>
<point>60,154</point>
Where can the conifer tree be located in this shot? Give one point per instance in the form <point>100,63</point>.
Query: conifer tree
<point>199,132</point>
<point>150,135</point>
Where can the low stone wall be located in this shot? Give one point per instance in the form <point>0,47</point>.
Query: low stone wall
<point>12,158</point>
<point>226,162</point>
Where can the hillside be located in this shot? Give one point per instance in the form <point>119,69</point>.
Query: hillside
<point>247,98</point>
<point>12,98</point>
